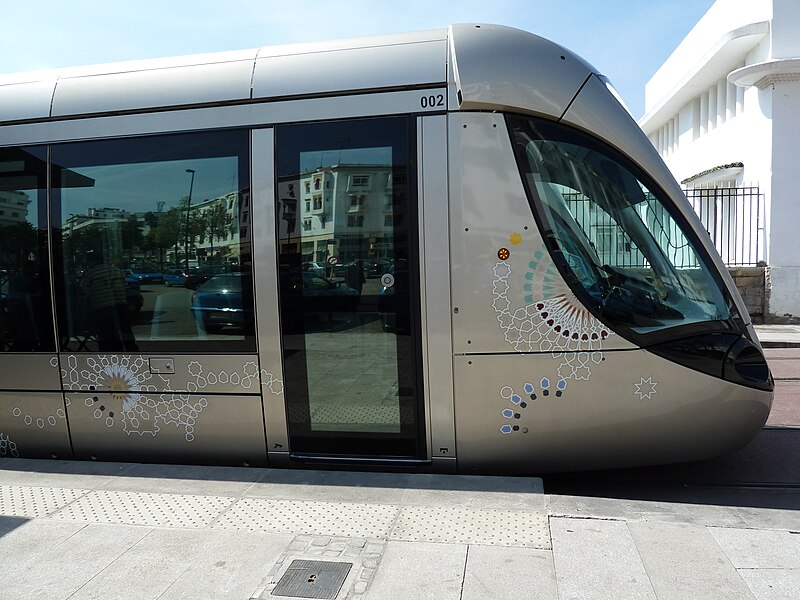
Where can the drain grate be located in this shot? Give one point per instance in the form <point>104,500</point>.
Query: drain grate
<point>313,579</point>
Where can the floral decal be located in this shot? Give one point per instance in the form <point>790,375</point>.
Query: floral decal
<point>122,383</point>
<point>148,400</point>
<point>552,320</point>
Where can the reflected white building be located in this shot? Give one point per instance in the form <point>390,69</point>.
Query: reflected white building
<point>342,211</point>
<point>13,208</point>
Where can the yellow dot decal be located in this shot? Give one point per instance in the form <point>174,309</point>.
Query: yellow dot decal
<point>515,239</point>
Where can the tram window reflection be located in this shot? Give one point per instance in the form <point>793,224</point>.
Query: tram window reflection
<point>145,224</point>
<point>25,308</point>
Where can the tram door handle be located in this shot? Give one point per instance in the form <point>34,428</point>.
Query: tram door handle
<point>162,366</point>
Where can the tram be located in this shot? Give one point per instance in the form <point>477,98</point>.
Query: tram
<point>451,251</point>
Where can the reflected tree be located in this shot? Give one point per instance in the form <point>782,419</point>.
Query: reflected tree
<point>131,237</point>
<point>218,223</point>
<point>18,242</point>
<point>168,232</point>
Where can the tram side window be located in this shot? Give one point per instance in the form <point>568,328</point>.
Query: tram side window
<point>26,323</point>
<point>153,252</point>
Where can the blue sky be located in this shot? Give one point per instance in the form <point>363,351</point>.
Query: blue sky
<point>625,39</point>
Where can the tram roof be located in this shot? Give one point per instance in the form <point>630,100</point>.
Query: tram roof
<point>486,66</point>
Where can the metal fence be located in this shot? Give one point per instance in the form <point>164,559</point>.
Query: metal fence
<point>734,218</point>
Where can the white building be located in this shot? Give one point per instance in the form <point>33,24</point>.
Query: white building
<point>724,112</point>
<point>13,208</point>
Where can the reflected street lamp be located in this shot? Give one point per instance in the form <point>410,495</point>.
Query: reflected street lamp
<point>188,207</point>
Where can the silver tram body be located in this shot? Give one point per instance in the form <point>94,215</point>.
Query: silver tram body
<point>451,250</point>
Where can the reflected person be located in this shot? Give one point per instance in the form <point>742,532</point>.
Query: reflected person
<point>104,285</point>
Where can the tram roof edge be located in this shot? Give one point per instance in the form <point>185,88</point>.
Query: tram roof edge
<point>494,67</point>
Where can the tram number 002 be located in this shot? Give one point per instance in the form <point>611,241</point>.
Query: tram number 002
<point>432,101</point>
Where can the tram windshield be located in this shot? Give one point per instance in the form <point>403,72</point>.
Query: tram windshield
<point>615,238</point>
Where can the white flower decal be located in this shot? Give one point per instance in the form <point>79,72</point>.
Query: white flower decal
<point>123,384</point>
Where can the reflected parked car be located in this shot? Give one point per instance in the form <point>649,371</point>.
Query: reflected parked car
<point>199,275</point>
<point>314,268</point>
<point>307,298</point>
<point>145,274</point>
<point>376,267</point>
<point>176,277</point>
<point>221,301</point>
<point>318,294</point>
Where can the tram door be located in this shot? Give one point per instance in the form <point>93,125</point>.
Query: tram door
<point>347,240</point>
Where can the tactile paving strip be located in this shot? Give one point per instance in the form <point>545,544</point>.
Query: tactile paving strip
<point>490,527</point>
<point>35,502</point>
<point>311,518</point>
<point>153,510</point>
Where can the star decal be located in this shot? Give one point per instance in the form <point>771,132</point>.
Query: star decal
<point>645,388</point>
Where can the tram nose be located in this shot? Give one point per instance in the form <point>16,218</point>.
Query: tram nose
<point>731,357</point>
<point>745,364</point>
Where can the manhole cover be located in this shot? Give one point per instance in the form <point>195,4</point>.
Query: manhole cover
<point>313,579</point>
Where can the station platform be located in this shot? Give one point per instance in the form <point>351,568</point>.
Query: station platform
<point>81,530</point>
<point>779,336</point>
<point>727,528</point>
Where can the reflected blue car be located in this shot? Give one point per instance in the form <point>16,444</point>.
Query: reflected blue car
<point>224,301</point>
<point>176,277</point>
<point>144,275</point>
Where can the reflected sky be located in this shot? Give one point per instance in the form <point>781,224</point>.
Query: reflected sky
<point>140,187</point>
<point>311,161</point>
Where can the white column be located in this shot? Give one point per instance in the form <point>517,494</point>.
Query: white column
<point>730,104</point>
<point>712,107</point>
<point>704,113</point>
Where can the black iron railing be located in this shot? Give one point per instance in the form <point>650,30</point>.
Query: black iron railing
<point>734,218</point>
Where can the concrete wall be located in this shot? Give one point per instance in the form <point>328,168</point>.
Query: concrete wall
<point>750,282</point>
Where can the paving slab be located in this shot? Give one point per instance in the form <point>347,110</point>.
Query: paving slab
<point>594,557</point>
<point>149,568</point>
<point>625,509</point>
<point>785,368</point>
<point>326,486</point>
<point>685,561</point>
<point>34,501</point>
<point>773,518</point>
<point>457,524</point>
<point>309,517</point>
<point>509,574</point>
<point>185,479</point>
<point>778,336</point>
<point>27,544</point>
<point>60,473</point>
<point>231,565</point>
<point>782,353</point>
<point>67,566</point>
<point>785,404</point>
<point>759,549</point>
<point>422,571</point>
<point>141,508</point>
<point>773,584</point>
